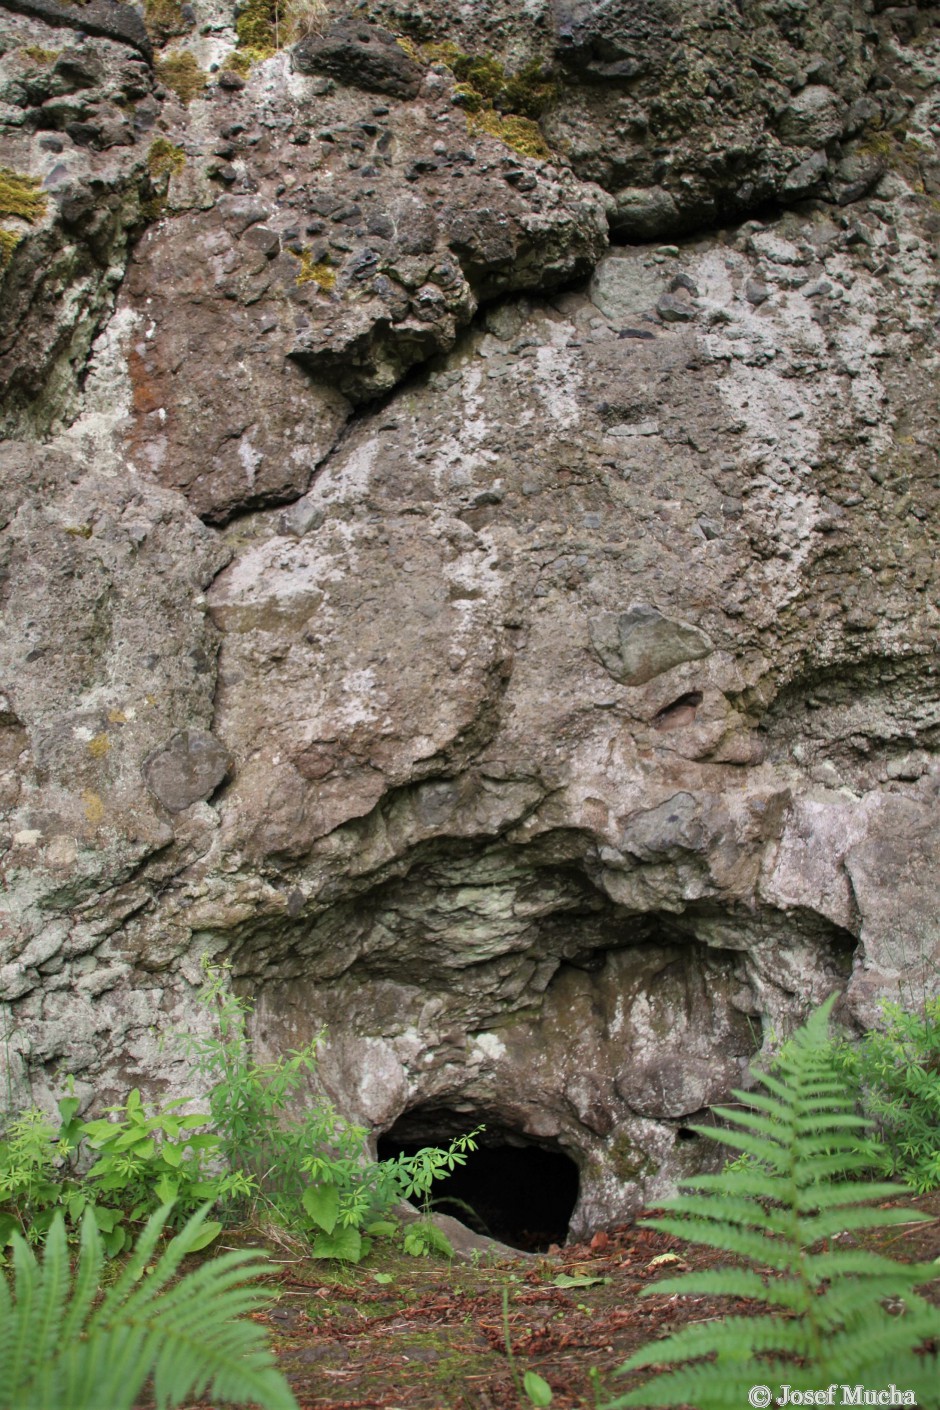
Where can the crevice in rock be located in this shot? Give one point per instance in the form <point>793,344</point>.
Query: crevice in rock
<point>724,221</point>
<point>856,713</point>
<point>413,379</point>
<point>513,1188</point>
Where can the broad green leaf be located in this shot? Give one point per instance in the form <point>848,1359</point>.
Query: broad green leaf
<point>68,1106</point>
<point>538,1391</point>
<point>322,1204</point>
<point>166,1189</point>
<point>210,1230</point>
<point>106,1219</point>
<point>114,1241</point>
<point>344,1244</point>
<point>569,1280</point>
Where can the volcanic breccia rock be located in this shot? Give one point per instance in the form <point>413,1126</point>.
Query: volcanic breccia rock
<point>514,652</point>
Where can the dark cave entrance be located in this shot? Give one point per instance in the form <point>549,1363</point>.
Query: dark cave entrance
<point>511,1188</point>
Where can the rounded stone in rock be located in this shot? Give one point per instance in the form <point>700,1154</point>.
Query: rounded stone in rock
<point>188,768</point>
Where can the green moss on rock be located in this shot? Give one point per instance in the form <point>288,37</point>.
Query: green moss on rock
<point>36,54</point>
<point>238,61</point>
<point>520,133</point>
<point>164,19</point>
<point>316,272</point>
<point>256,29</point>
<point>628,1161</point>
<point>501,104</point>
<point>165,159</point>
<point>21,195</point>
<point>182,74</point>
<point>21,198</point>
<point>8,243</point>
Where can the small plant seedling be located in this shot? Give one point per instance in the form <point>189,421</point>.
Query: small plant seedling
<point>533,1387</point>
<point>537,1389</point>
<point>568,1280</point>
<point>424,1238</point>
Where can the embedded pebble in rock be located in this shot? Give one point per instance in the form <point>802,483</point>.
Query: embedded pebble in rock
<point>189,767</point>
<point>640,644</point>
<point>515,655</point>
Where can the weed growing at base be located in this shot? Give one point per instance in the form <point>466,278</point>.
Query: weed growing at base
<point>249,1156</point>
<point>310,1172</point>
<point>896,1072</point>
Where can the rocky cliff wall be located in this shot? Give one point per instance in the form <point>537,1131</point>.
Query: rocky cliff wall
<point>469,547</point>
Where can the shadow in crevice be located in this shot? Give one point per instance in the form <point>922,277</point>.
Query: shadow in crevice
<point>511,1188</point>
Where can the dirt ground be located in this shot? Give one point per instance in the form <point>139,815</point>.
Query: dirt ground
<point>399,1333</point>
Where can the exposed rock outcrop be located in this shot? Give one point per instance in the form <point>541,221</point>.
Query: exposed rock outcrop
<point>516,654</point>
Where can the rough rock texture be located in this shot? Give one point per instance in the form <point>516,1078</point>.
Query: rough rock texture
<point>350,258</point>
<point>67,113</point>
<point>517,657</point>
<point>108,19</point>
<point>694,113</point>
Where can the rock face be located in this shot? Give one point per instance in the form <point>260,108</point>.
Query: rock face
<point>516,655</point>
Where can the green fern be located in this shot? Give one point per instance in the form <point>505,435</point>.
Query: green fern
<point>826,1319</point>
<point>58,1349</point>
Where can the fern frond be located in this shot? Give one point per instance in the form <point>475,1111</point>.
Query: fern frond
<point>860,1262</point>
<point>26,1285</point>
<point>736,1339</point>
<point>696,1385</point>
<point>814,1227</point>
<point>757,1147</point>
<point>847,1194</point>
<point>85,1287</point>
<point>768,1252</point>
<point>861,1304</point>
<point>189,1335</point>
<point>743,1212</point>
<point>737,1283</point>
<point>879,1365</point>
<point>886,1341</point>
<point>53,1291</point>
<point>802,1137</point>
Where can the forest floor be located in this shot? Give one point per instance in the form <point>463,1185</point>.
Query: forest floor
<point>424,1334</point>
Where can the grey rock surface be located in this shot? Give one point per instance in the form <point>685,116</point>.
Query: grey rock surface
<point>363,56</point>
<point>515,655</point>
<point>639,644</point>
<point>694,113</point>
<point>187,768</point>
<point>108,19</point>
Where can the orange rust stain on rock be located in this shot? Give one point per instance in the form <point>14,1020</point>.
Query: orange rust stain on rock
<point>145,388</point>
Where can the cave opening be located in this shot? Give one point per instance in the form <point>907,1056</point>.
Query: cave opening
<point>511,1188</point>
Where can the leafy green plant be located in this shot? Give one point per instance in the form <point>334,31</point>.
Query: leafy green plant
<point>58,1348</point>
<point>32,1156</point>
<point>348,1191</point>
<point>249,1103</point>
<point>896,1069</point>
<point>147,1158</point>
<point>248,1154</point>
<point>828,1317</point>
<point>423,1238</point>
<point>311,1172</point>
<point>142,1158</point>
